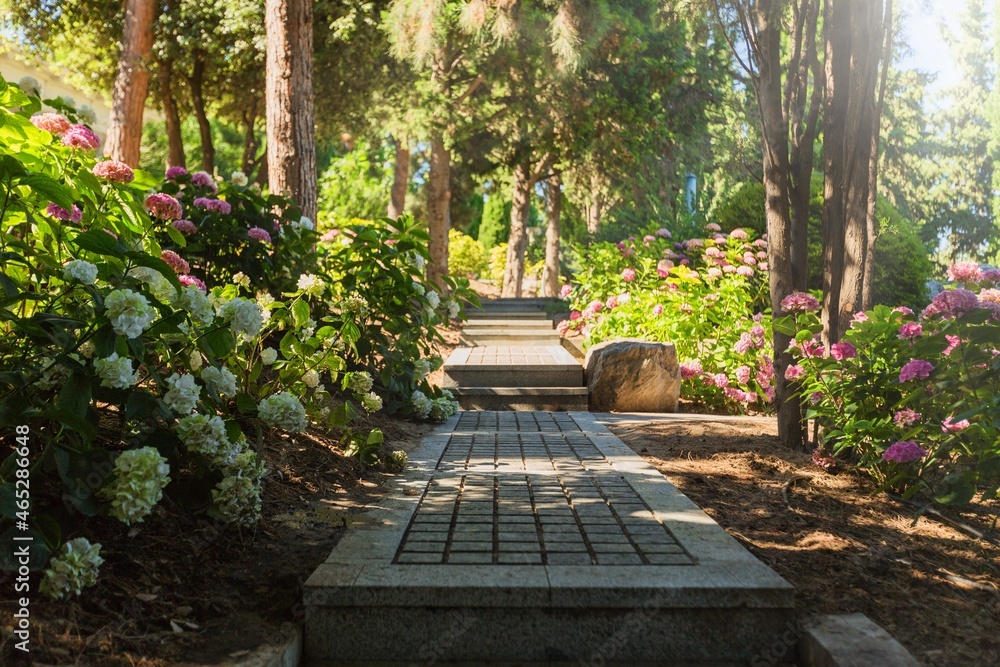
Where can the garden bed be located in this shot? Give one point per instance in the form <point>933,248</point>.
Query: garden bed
<point>934,588</point>
<point>175,589</point>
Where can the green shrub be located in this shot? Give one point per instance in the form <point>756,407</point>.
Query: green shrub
<point>498,262</point>
<point>466,258</point>
<point>495,227</point>
<point>742,207</point>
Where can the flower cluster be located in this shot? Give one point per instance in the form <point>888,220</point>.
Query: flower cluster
<point>114,171</point>
<point>82,137</point>
<point>80,269</point>
<point>71,570</point>
<point>137,484</point>
<point>129,312</point>
<point>115,372</point>
<point>163,206</point>
<point>283,410</point>
<point>59,213</point>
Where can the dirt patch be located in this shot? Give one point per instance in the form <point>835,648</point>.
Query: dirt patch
<point>180,589</point>
<point>844,548</point>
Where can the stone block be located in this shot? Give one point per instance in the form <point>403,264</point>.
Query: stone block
<point>632,375</point>
<point>851,640</point>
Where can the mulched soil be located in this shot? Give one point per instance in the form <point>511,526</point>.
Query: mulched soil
<point>178,589</point>
<point>845,550</point>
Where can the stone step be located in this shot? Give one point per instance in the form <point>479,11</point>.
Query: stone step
<point>512,366</point>
<point>508,314</point>
<point>553,399</point>
<point>509,323</point>
<point>516,537</point>
<point>524,302</point>
<point>518,337</point>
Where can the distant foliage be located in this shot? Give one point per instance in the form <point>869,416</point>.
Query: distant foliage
<point>466,258</point>
<point>495,227</point>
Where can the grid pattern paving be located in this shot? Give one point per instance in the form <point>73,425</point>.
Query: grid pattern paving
<point>510,355</point>
<point>531,488</point>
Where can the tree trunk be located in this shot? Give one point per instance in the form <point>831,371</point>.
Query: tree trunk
<point>247,162</point>
<point>291,140</point>
<point>131,83</point>
<point>854,48</point>
<point>171,115</point>
<point>400,177</point>
<point>197,82</point>
<point>776,188</point>
<point>439,209</point>
<point>592,212</point>
<point>513,274</point>
<point>550,276</point>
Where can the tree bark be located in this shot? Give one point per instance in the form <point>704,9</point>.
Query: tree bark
<point>854,49</point>
<point>439,209</point>
<point>131,83</point>
<point>249,158</point>
<point>550,276</point>
<point>171,115</point>
<point>197,82</point>
<point>776,188</point>
<point>400,177</point>
<point>513,274</point>
<point>291,139</point>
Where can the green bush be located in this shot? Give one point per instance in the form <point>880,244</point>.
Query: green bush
<point>742,207</point>
<point>466,258</point>
<point>495,227</point>
<point>498,262</point>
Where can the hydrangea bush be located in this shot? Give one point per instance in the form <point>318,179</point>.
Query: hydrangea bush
<point>708,296</point>
<point>913,398</point>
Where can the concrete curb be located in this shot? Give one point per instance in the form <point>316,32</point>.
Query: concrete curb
<point>851,640</point>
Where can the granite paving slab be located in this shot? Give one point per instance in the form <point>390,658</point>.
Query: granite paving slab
<point>546,536</point>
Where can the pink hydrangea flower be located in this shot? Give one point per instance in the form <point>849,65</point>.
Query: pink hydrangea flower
<point>965,272</point>
<point>990,296</point>
<point>744,344</point>
<point>565,291</point>
<point>563,327</point>
<point>185,226</point>
<point>720,380</point>
<point>903,310</point>
<point>575,315</point>
<point>748,258</point>
<point>859,317</point>
<point>991,275</point>
<point>664,233</point>
<point>628,275</point>
<point>910,330</point>
<point>743,374</point>
<point>657,309</point>
<point>904,452</point>
<point>952,303</point>
<point>951,426</point>
<point>906,417</point>
<point>114,171</point>
<point>175,261</point>
<point>728,268</point>
<point>762,267</point>
<point>694,243</point>
<point>596,305</point>
<point>918,369</point>
<point>191,281</point>
<point>81,136</point>
<point>757,332</point>
<point>800,302</point>
<point>648,238</point>
<point>843,350</point>
<point>761,255</point>
<point>812,349</point>
<point>203,179</point>
<point>794,372</point>
<point>714,272</point>
<point>663,268</point>
<point>213,205</point>
<point>59,213</point>
<point>953,342</point>
<point>163,206</point>
<point>745,271</point>
<point>713,227</point>
<point>739,234</point>
<point>612,302</point>
<point>691,369</point>
<point>53,123</point>
<point>259,234</point>
<point>175,172</point>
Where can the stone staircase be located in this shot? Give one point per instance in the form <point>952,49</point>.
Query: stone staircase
<point>512,359</point>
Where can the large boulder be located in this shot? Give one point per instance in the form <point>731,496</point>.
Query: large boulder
<point>631,375</point>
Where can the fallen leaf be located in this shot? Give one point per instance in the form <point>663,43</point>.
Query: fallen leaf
<point>176,628</point>
<point>183,611</point>
<point>146,597</point>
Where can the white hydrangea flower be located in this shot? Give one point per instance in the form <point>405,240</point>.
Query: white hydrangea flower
<point>283,410</point>
<point>454,308</point>
<point>302,223</point>
<point>356,304</point>
<point>421,404</point>
<point>244,316</point>
<point>194,360</point>
<point>220,379</point>
<point>418,288</point>
<point>29,86</point>
<point>201,433</point>
<point>433,299</point>
<point>183,394</point>
<point>129,312</point>
<point>161,288</point>
<point>423,367</point>
<point>237,497</point>
<point>115,372</point>
<point>87,114</point>
<point>311,378</point>
<point>360,382</point>
<point>417,261</point>
<point>268,356</point>
<point>82,270</point>
<point>311,284</point>
<point>71,570</point>
<point>444,407</point>
<point>137,484</point>
<point>87,349</point>
<point>198,306</point>
<point>241,279</point>
<point>371,402</point>
<point>53,373</point>
<point>238,178</point>
<point>265,301</point>
<point>68,101</point>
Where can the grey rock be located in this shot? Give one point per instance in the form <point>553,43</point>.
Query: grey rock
<point>631,375</point>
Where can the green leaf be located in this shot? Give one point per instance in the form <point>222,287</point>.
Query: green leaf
<point>142,404</point>
<point>75,395</point>
<point>246,404</point>
<point>219,342</point>
<point>300,312</point>
<point>100,242</point>
<point>350,333</point>
<point>157,264</point>
<point>49,188</point>
<point>176,236</point>
<point>954,489</point>
<point>376,437</point>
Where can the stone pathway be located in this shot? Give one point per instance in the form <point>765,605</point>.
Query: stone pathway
<point>538,537</point>
<point>512,359</point>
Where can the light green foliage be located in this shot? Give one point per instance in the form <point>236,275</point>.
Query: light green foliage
<point>227,140</point>
<point>498,262</point>
<point>495,227</point>
<point>357,184</point>
<point>466,258</point>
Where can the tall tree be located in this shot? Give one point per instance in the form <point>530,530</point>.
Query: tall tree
<point>553,214</point>
<point>128,99</point>
<point>291,139</point>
